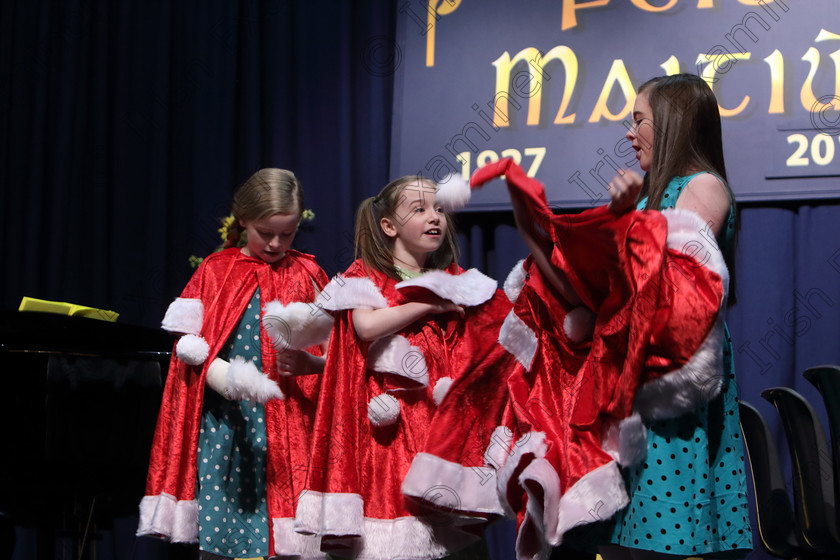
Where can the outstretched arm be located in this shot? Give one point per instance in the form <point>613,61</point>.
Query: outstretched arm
<point>371,324</point>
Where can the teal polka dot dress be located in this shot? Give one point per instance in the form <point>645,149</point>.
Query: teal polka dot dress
<point>233,513</point>
<point>689,496</point>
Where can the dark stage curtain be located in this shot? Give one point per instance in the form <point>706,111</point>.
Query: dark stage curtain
<point>126,126</point>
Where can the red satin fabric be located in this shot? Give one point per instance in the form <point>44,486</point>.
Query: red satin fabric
<point>654,307</point>
<point>351,456</point>
<point>225,283</point>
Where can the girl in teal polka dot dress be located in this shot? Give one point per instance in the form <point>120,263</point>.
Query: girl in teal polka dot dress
<point>688,496</point>
<point>232,442</point>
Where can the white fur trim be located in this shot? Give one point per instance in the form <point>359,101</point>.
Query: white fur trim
<point>321,513</point>
<point>297,325</point>
<point>626,440</point>
<point>192,349</point>
<point>339,519</point>
<point>452,487</point>
<point>470,288</point>
<point>518,339</point>
<point>383,410</point>
<point>164,515</point>
<point>350,293</point>
<point>690,235</point>
<point>287,542</point>
<point>680,391</point>
<point>499,448</point>
<point>579,324</point>
<point>542,485</point>
<point>453,192</point>
<point>515,281</point>
<point>595,497</point>
<point>246,382</point>
<point>395,354</point>
<point>701,379</point>
<point>184,316</point>
<point>531,443</point>
<point>441,388</point>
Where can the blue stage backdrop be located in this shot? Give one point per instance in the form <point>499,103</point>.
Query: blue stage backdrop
<point>551,83</point>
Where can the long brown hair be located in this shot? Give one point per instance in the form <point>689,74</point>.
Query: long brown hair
<point>686,137</point>
<point>375,249</point>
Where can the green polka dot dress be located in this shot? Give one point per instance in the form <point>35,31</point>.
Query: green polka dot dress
<point>689,496</point>
<point>233,513</point>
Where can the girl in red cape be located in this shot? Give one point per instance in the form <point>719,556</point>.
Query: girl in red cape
<point>230,449</point>
<point>400,311</point>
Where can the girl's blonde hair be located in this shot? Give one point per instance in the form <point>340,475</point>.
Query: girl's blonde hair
<point>267,192</point>
<point>375,249</point>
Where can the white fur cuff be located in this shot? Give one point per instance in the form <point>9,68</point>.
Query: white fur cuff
<point>626,440</point>
<point>246,382</point>
<point>297,325</point>
<point>192,349</point>
<point>184,316</point>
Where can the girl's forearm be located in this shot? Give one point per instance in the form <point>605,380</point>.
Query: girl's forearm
<point>371,324</point>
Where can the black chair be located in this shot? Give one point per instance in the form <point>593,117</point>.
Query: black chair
<point>827,381</point>
<point>776,524</point>
<point>813,477</point>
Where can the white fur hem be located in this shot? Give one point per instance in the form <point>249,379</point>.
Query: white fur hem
<point>164,515</point>
<point>297,325</point>
<point>515,281</point>
<point>690,235</point>
<point>329,514</point>
<point>531,443</point>
<point>344,531</point>
<point>184,316</point>
<point>595,497</point>
<point>518,339</point>
<point>682,390</point>
<point>395,354</point>
<point>470,288</point>
<point>287,542</point>
<point>350,293</point>
<point>452,487</point>
<point>542,485</point>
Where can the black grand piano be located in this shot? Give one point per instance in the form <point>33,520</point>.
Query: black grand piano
<point>78,421</point>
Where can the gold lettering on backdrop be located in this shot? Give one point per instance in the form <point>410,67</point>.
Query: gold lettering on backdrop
<point>617,75</point>
<point>776,62</point>
<point>643,4</point>
<point>806,95</point>
<point>436,9</point>
<point>532,77</point>
<point>570,7</point>
<point>671,66</point>
<point>712,67</point>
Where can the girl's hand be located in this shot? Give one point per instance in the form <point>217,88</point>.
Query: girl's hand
<point>297,362</point>
<point>624,191</point>
<point>445,306</point>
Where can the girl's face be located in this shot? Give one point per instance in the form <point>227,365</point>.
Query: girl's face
<point>269,238</point>
<point>418,226</point>
<point>641,134</point>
